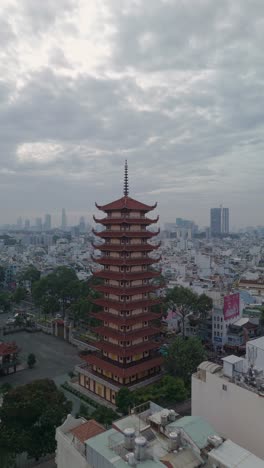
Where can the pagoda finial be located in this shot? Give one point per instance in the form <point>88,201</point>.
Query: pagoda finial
<point>126,188</point>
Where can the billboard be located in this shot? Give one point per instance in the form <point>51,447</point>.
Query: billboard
<point>231,306</point>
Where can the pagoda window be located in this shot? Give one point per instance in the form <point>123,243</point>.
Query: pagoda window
<point>145,323</point>
<point>106,267</point>
<point>144,267</point>
<point>128,268</point>
<point>127,327</point>
<point>128,343</point>
<point>122,268</point>
<point>122,283</point>
<point>145,309</point>
<point>106,309</point>
<point>145,281</point>
<point>128,283</point>
<point>127,298</point>
<point>122,298</point>
<point>145,338</point>
<point>127,312</point>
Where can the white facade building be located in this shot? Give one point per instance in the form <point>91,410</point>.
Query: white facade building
<point>231,401</point>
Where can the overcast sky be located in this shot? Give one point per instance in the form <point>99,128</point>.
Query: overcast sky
<point>174,86</point>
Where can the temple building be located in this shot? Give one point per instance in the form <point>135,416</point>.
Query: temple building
<point>129,321</point>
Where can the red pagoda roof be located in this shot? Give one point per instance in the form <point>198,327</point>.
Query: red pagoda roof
<point>118,335</point>
<point>126,352</point>
<point>125,261</point>
<point>126,247</point>
<point>117,319</point>
<point>144,221</point>
<point>131,305</point>
<point>8,348</point>
<point>121,371</point>
<point>127,203</point>
<point>120,234</point>
<point>126,275</point>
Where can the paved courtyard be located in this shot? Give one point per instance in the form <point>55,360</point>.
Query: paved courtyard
<point>55,358</point>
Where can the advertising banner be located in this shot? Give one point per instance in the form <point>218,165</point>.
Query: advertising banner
<point>231,306</point>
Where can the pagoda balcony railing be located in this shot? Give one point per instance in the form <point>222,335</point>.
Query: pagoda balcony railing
<point>129,276</point>
<point>121,365</point>
<point>126,305</point>
<point>125,261</point>
<point>127,319</point>
<point>105,247</point>
<point>127,290</point>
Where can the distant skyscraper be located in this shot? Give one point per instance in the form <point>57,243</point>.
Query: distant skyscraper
<point>27,224</point>
<point>47,222</point>
<point>39,224</point>
<point>19,222</point>
<point>219,221</point>
<point>225,220</point>
<point>63,219</point>
<point>82,224</point>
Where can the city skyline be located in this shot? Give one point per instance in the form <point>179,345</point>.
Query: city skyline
<point>86,85</point>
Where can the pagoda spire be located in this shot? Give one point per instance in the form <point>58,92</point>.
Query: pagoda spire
<point>126,187</point>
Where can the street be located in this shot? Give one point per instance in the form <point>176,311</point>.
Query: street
<point>55,357</point>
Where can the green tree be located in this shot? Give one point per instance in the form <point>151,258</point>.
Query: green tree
<point>62,286</point>
<point>2,274</point>
<point>29,416</point>
<point>31,274</point>
<point>5,388</point>
<point>124,400</point>
<point>5,301</point>
<point>184,300</point>
<point>31,360</point>
<point>187,303</point>
<point>173,388</point>
<point>19,295</point>
<point>104,415</point>
<point>183,357</point>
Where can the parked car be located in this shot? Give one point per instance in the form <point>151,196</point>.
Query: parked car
<point>10,321</point>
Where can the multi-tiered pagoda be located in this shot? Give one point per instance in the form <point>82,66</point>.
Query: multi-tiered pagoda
<point>128,348</point>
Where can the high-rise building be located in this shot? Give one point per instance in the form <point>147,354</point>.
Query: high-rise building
<point>47,222</point>
<point>219,222</point>
<point>128,353</point>
<point>19,223</point>
<point>27,224</point>
<point>63,219</point>
<point>225,220</point>
<point>82,224</point>
<point>39,224</point>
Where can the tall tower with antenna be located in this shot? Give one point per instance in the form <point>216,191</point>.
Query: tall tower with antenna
<point>127,351</point>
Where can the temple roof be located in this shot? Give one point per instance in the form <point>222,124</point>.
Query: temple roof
<point>126,203</point>
<point>141,366</point>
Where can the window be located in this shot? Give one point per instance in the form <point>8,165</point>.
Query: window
<point>224,387</point>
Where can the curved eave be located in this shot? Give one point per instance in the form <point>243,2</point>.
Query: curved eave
<point>132,305</point>
<point>125,234</point>
<point>126,247</point>
<point>124,372</point>
<point>126,352</point>
<point>131,221</point>
<point>119,276</point>
<point>121,336</point>
<point>125,261</point>
<point>126,203</point>
<point>117,320</point>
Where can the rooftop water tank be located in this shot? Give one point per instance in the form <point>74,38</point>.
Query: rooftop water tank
<point>129,438</point>
<point>140,447</point>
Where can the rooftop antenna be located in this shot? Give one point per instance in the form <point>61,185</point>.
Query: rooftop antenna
<point>126,188</point>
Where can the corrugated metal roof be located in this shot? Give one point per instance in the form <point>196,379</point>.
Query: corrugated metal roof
<point>209,367</point>
<point>196,428</point>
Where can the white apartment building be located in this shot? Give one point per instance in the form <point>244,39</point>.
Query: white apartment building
<point>231,399</point>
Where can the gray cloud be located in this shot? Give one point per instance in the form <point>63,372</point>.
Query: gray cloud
<point>174,87</point>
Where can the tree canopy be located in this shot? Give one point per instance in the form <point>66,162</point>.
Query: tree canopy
<point>29,417</point>
<point>187,303</point>
<point>183,357</point>
<point>125,400</point>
